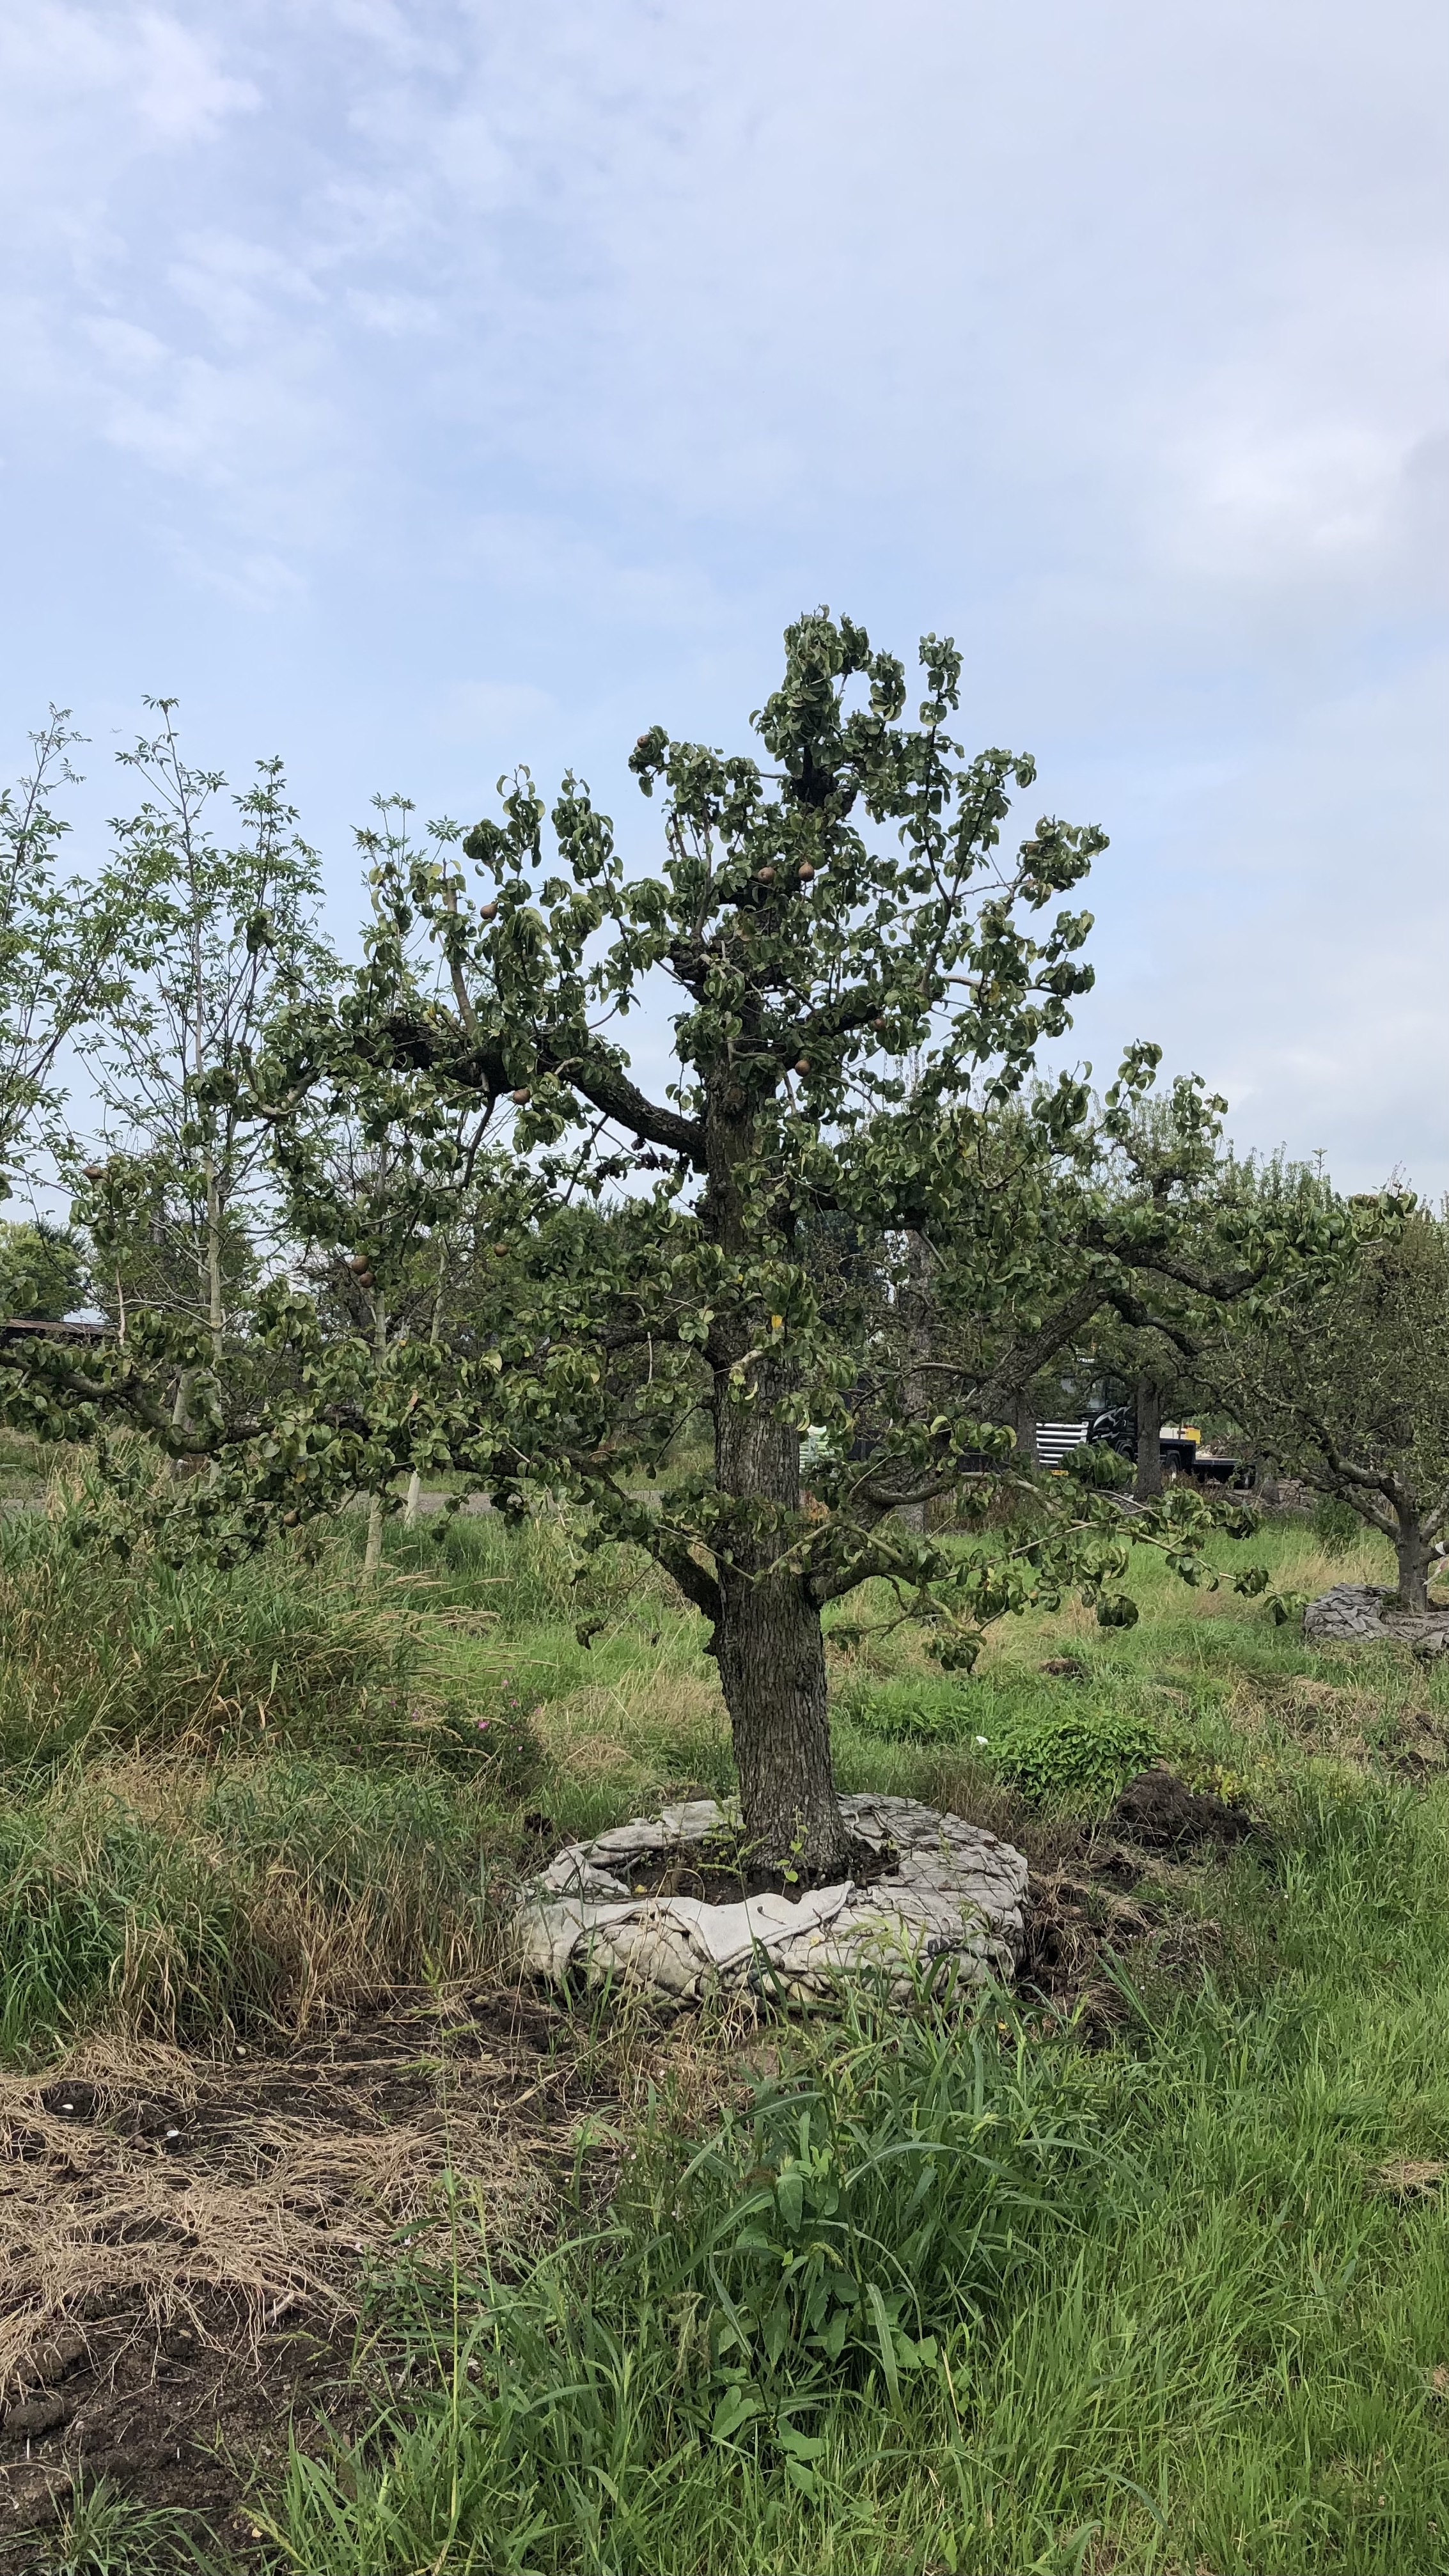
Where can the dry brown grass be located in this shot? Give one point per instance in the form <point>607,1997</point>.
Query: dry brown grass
<point>234,2190</point>
<point>614,1731</point>
<point>258,2187</point>
<point>1359,1722</point>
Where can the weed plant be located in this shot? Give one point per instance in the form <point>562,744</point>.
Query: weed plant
<point>843,2235</point>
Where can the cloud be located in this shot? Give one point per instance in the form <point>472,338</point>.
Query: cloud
<point>583,347</point>
<point>181,92</point>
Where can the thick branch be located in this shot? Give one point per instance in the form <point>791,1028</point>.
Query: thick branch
<point>1013,1374</point>
<point>586,1067</point>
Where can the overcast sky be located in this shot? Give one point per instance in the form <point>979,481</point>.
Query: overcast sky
<point>412,390</point>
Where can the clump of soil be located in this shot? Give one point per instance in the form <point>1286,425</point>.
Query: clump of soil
<point>1161,1813</point>
<point>1098,1906</point>
<point>1075,1920</point>
<point>722,1870</point>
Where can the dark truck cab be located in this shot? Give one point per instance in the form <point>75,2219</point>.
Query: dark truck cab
<point>1180,1445</point>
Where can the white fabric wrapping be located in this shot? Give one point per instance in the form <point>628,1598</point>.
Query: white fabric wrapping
<point>955,1895</point>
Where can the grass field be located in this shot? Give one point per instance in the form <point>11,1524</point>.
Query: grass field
<point>1154,2280</point>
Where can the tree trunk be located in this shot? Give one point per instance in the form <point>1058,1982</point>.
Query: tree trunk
<point>215,1298</point>
<point>1023,1423</point>
<point>1413,1552</point>
<point>915,1312</point>
<point>770,1646</point>
<point>1148,1483</point>
<point>413,1505</point>
<point>772,1664</point>
<point>176,1468</point>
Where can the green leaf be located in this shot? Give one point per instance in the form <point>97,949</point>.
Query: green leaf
<point>739,2406</point>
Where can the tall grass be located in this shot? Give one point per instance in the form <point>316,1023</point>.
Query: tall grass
<point>180,1903</point>
<point>1158,2309</point>
<point>95,1652</point>
<point>843,2238</point>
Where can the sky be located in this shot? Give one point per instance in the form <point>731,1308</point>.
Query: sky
<point>414,390</point>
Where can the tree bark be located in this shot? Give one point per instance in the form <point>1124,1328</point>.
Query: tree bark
<point>915,1312</point>
<point>772,1665</point>
<point>1148,1483</point>
<point>771,1648</point>
<point>1413,1551</point>
<point>1023,1423</point>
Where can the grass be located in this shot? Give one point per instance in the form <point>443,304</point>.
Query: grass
<point>919,2295</point>
<point>1213,2342</point>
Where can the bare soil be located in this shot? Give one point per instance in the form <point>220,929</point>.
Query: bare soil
<point>1160,1812</point>
<point>1114,1896</point>
<point>722,1871</point>
<point>187,2244</point>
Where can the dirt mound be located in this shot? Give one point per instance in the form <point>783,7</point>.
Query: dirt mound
<point>1098,1919</point>
<point>1162,1814</point>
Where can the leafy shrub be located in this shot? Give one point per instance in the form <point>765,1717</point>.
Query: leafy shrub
<point>842,2229</point>
<point>1083,1756</point>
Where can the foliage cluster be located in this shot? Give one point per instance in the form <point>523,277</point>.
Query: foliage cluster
<point>1077,1758</point>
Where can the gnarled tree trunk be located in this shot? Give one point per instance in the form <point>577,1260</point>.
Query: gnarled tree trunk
<point>772,1664</point>
<point>1415,1555</point>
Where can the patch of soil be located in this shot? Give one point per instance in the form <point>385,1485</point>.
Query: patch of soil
<point>185,2261</point>
<point>184,2418</point>
<point>1160,1812</point>
<point>1098,1905</point>
<point>722,1871</point>
<point>1077,1916</point>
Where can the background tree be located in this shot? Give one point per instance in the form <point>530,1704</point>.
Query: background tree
<point>1341,1374</point>
<point>1125,1243</point>
<point>43,1271</point>
<point>377,1213</point>
<point>180,1202</point>
<point>68,945</point>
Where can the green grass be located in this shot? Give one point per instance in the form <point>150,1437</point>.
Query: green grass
<point>1193,2336</point>
<point>1143,2306</point>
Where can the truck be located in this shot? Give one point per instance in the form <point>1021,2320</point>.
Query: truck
<point>1181,1443</point>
